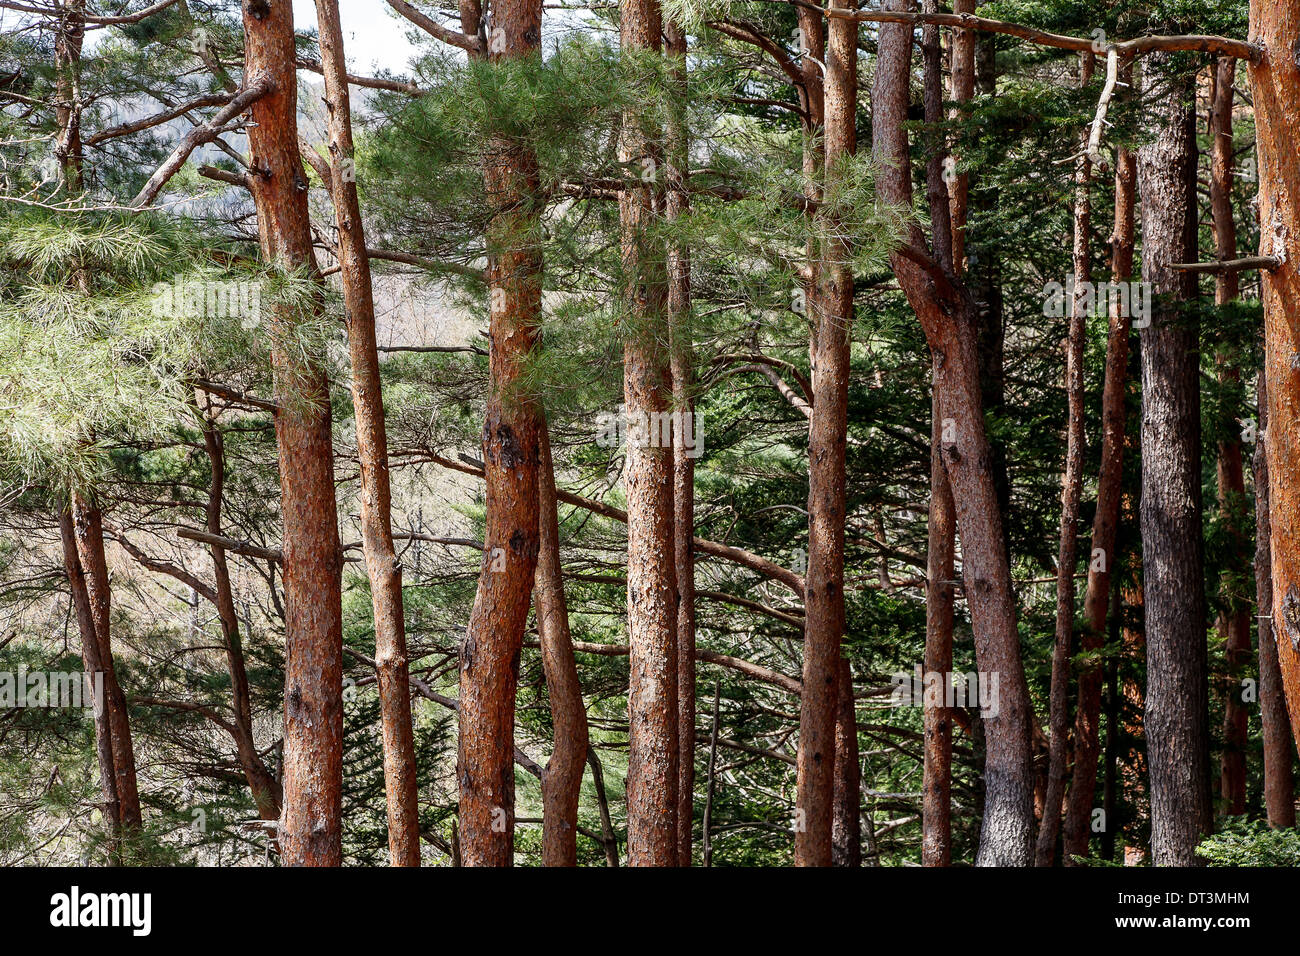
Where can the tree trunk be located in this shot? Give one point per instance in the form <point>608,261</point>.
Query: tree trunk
<point>846,822</point>
<point>261,782</point>
<point>936,806</point>
<point>1234,615</point>
<point>1071,492</point>
<point>961,89</point>
<point>311,822</point>
<point>382,565</point>
<point>948,317</point>
<point>947,224</point>
<point>1177,731</point>
<point>677,203</point>
<point>827,439</point>
<point>1275,87</point>
<point>652,605</point>
<point>1110,486</point>
<point>90,549</point>
<point>92,666</point>
<point>489,669</point>
<point>1279,784</point>
<point>562,779</point>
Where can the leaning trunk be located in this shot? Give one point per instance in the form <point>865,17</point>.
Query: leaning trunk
<point>948,317</point>
<point>90,549</point>
<point>382,565</point>
<point>261,782</point>
<point>562,778</point>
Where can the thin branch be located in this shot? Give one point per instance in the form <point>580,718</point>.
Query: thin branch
<point>199,135</point>
<point>435,29</point>
<point>1190,43</point>
<point>1268,263</point>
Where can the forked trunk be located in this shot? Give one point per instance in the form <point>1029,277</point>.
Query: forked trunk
<point>948,317</point>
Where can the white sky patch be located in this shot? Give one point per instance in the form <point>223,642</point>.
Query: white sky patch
<point>374,36</point>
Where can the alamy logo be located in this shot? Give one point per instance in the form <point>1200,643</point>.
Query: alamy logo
<point>23,688</point>
<point>74,909</point>
<point>650,430</point>
<point>936,689</point>
<point>1129,299</point>
<point>211,300</point>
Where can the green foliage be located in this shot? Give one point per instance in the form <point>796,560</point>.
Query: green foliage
<point>1244,842</point>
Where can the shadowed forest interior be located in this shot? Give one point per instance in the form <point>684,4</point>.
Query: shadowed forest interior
<point>656,432</point>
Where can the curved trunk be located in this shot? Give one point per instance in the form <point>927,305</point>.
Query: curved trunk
<point>562,779</point>
<point>948,317</point>
<point>261,782</point>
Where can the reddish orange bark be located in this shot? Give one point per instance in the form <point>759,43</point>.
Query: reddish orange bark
<point>382,565</point>
<point>562,778</point>
<point>827,439</point>
<point>489,668</point>
<point>261,782</point>
<point>652,600</point>
<point>1234,616</point>
<point>1102,555</point>
<point>1275,85</point>
<point>1071,492</point>
<point>93,666</point>
<point>936,805</point>
<point>311,825</point>
<point>846,820</point>
<point>948,317</point>
<point>1279,782</point>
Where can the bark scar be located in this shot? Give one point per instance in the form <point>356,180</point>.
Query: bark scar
<point>1291,616</point>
